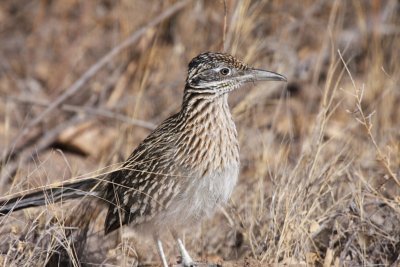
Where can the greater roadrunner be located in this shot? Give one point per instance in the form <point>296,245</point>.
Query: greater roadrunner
<point>182,170</point>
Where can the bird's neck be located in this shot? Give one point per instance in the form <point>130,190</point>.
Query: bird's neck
<point>197,108</point>
<point>206,125</point>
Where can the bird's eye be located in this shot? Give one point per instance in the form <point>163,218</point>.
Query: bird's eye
<point>225,71</point>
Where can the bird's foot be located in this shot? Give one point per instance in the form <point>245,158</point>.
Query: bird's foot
<point>187,261</point>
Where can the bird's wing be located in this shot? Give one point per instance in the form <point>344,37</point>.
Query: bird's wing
<point>147,181</point>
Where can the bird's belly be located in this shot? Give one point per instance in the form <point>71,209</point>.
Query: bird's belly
<point>200,199</point>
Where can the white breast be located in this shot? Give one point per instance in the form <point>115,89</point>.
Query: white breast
<point>212,190</point>
<point>201,197</point>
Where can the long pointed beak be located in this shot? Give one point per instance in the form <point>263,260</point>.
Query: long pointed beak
<point>264,75</point>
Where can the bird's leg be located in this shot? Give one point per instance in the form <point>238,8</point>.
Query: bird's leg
<point>187,261</point>
<point>161,252</point>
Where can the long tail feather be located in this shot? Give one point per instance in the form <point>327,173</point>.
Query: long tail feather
<point>66,191</point>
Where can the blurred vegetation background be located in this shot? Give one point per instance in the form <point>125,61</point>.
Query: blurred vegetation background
<point>320,175</point>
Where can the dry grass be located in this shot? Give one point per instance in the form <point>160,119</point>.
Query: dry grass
<point>320,157</point>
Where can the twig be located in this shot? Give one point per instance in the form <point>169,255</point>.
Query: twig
<point>225,26</point>
<point>346,249</point>
<point>89,110</point>
<point>112,115</point>
<point>365,120</point>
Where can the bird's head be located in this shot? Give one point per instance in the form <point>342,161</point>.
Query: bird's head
<point>217,74</point>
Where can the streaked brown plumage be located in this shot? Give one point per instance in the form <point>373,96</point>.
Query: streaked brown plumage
<point>183,169</point>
